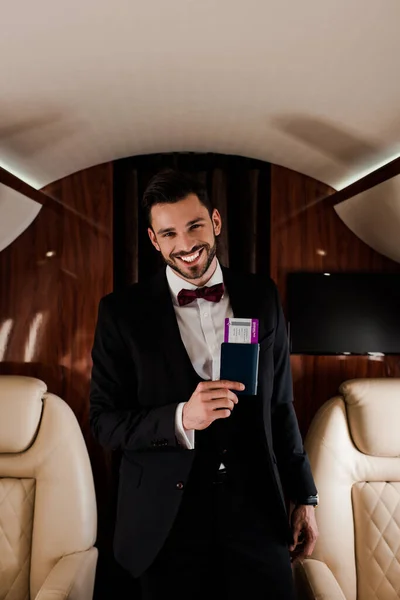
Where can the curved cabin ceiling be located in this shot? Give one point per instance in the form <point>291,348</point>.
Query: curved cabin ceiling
<point>374,216</point>
<point>312,85</point>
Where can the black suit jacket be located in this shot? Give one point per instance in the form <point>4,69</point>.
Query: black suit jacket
<point>141,371</point>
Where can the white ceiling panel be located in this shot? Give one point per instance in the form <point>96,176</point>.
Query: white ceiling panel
<point>309,85</point>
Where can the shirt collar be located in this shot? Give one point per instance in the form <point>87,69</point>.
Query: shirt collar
<point>176,283</point>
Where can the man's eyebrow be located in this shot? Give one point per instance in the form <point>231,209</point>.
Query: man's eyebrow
<point>167,230</point>
<point>194,221</point>
<point>189,224</point>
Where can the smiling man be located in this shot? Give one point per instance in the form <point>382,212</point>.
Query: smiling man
<point>189,246</point>
<point>204,471</point>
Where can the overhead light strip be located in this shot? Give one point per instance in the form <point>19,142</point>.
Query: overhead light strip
<point>366,172</point>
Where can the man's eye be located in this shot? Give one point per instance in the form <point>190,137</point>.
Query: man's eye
<point>168,234</point>
<point>195,226</point>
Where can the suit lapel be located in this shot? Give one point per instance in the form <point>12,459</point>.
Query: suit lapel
<point>237,295</point>
<point>245,298</point>
<point>182,374</point>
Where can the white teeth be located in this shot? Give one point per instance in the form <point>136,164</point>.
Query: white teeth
<point>190,258</point>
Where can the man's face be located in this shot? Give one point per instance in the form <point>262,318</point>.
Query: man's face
<point>185,234</point>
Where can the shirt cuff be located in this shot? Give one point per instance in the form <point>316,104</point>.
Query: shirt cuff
<point>184,436</point>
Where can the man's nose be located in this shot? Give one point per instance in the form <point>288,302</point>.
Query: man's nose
<point>186,243</point>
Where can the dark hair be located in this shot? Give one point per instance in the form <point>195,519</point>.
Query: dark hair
<point>169,186</point>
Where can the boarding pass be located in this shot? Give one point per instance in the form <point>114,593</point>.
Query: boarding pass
<point>241,331</point>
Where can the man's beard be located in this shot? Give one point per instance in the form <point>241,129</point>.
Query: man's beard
<point>194,271</point>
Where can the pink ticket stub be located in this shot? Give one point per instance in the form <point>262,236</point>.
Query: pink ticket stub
<point>241,331</point>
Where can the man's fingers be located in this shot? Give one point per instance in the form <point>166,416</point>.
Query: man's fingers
<point>308,550</point>
<point>232,385</point>
<point>297,532</point>
<point>221,413</point>
<point>220,384</point>
<point>221,403</point>
<point>219,394</point>
<point>305,552</point>
<point>296,535</point>
<point>305,533</point>
<point>309,544</point>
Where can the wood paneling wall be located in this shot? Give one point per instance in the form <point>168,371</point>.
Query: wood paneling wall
<point>308,235</point>
<point>51,300</point>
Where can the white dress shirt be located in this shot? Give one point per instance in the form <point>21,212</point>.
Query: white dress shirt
<point>201,325</point>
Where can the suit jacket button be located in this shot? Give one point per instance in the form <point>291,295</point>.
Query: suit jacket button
<point>179,485</point>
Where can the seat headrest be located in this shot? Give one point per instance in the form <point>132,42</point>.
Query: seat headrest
<point>20,411</point>
<point>373,410</point>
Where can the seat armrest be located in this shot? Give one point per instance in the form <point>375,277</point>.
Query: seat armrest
<point>71,578</point>
<point>315,581</point>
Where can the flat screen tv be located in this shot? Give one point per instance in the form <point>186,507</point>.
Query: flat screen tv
<point>343,313</point>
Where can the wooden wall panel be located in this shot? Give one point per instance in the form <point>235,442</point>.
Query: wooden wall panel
<point>307,235</point>
<point>51,301</point>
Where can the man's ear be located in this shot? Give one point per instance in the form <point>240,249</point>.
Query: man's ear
<point>153,239</point>
<point>217,222</point>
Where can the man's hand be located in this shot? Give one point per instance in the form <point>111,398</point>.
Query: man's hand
<point>211,400</point>
<point>305,532</point>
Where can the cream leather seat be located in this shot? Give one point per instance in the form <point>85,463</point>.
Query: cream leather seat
<point>354,449</point>
<point>48,514</point>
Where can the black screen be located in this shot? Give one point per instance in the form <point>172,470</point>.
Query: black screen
<point>342,313</point>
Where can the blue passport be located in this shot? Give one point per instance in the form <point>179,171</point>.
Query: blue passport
<point>239,362</point>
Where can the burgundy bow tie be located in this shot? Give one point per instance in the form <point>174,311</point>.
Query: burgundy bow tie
<point>213,293</point>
